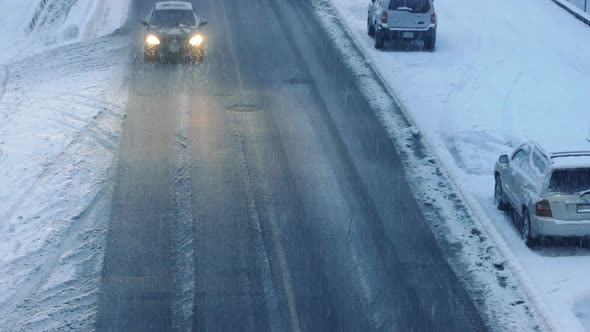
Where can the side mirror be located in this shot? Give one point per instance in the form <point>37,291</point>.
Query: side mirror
<point>503,159</point>
<point>373,1</point>
<point>203,22</point>
<point>144,22</point>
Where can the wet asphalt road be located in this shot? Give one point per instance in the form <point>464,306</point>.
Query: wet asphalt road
<point>297,210</point>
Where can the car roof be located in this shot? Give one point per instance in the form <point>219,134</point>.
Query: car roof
<point>166,5</point>
<point>572,156</point>
<point>574,159</point>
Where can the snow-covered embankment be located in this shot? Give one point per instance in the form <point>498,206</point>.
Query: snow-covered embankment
<point>61,108</point>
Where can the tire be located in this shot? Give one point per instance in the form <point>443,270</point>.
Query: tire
<point>370,29</point>
<point>430,41</point>
<point>525,230</point>
<point>499,198</point>
<point>379,40</point>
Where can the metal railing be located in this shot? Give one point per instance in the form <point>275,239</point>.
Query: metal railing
<point>582,5</point>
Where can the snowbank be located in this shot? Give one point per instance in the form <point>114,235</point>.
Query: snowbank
<point>35,26</point>
<point>496,79</point>
<point>61,106</point>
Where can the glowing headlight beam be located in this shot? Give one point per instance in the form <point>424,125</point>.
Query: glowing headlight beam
<point>196,40</point>
<point>152,40</point>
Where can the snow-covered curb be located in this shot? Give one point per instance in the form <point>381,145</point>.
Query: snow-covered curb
<point>497,292</point>
<point>448,164</point>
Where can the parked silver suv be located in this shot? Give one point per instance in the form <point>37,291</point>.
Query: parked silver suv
<point>550,192</point>
<point>402,19</point>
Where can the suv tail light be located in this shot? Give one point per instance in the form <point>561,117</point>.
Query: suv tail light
<point>433,18</point>
<point>384,17</point>
<point>543,209</point>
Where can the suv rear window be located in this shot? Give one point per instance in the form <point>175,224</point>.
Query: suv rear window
<point>570,181</point>
<point>415,6</point>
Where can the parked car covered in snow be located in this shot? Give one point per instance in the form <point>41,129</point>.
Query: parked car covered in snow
<point>173,31</point>
<point>402,19</point>
<point>550,192</point>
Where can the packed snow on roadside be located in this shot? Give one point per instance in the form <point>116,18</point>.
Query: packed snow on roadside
<point>61,109</point>
<point>32,26</point>
<point>496,79</point>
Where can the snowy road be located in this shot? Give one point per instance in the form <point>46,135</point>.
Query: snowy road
<point>256,191</point>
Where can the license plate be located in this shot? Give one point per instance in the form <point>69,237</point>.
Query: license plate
<point>583,208</point>
<point>408,35</point>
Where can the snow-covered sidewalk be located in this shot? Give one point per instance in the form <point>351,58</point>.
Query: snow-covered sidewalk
<point>61,108</point>
<point>498,77</point>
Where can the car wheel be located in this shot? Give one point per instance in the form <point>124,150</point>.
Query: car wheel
<point>370,29</point>
<point>430,41</point>
<point>379,40</point>
<point>525,230</point>
<point>499,195</point>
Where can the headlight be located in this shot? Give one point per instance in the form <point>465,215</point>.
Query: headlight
<point>196,40</point>
<point>152,40</point>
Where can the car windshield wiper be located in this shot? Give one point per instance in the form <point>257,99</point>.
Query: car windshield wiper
<point>406,9</point>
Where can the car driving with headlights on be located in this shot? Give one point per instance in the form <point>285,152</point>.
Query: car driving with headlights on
<point>173,31</point>
<point>402,20</point>
<point>549,192</point>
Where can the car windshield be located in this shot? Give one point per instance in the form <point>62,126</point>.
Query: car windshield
<point>570,181</point>
<point>173,18</point>
<point>415,6</point>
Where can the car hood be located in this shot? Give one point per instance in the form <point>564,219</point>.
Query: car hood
<point>178,32</point>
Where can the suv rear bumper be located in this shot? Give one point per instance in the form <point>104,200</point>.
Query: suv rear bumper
<point>544,226</point>
<point>401,33</point>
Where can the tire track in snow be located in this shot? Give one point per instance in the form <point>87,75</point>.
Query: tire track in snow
<point>4,82</point>
<point>182,231</point>
<point>55,165</point>
<point>93,131</point>
<point>52,258</point>
<point>74,98</point>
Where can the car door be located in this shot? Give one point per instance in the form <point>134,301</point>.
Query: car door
<point>540,165</point>
<point>509,178</point>
<point>376,12</point>
<point>370,11</point>
<point>522,181</point>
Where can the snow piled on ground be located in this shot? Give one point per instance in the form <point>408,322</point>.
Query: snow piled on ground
<point>496,79</point>
<point>61,109</point>
<point>33,26</point>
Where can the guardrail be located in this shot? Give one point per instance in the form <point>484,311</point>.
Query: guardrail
<point>579,4</point>
<point>574,8</point>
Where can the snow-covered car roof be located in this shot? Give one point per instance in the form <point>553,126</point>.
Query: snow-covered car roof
<point>570,156</point>
<point>576,159</point>
<point>164,5</point>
